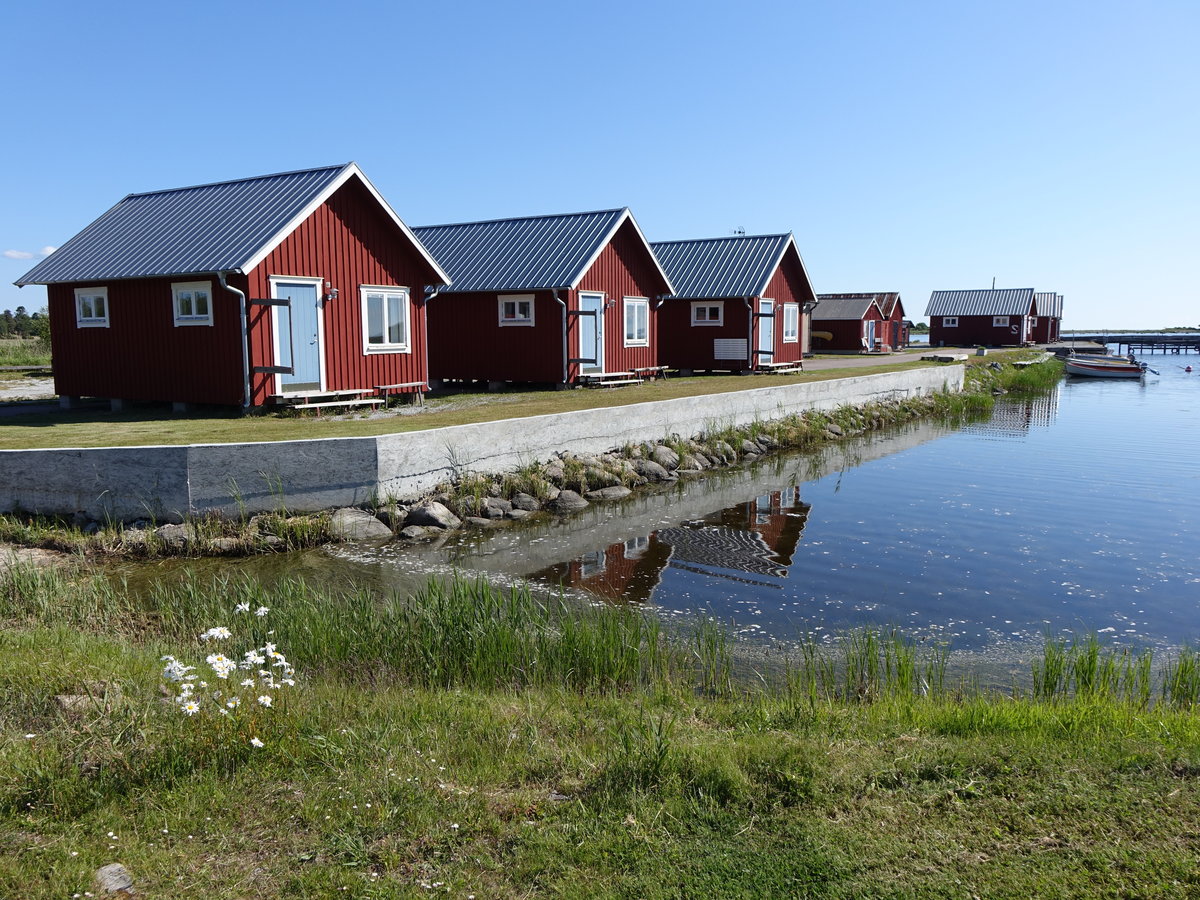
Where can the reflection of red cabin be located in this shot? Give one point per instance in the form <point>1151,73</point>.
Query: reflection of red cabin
<point>740,303</point>
<point>234,292</point>
<point>1047,318</point>
<point>545,299</point>
<point>852,323</point>
<point>999,317</point>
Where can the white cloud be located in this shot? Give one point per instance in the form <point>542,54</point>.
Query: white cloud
<point>47,250</point>
<point>18,254</point>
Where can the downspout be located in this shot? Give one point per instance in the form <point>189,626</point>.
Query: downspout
<point>565,354</point>
<point>431,291</point>
<point>245,339</point>
<point>751,338</point>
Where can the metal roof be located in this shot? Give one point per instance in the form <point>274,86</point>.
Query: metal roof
<point>842,306</point>
<point>739,266</point>
<point>1049,304</point>
<point>885,300</point>
<point>229,226</point>
<point>525,254</point>
<point>994,302</point>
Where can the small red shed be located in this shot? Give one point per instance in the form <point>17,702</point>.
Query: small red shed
<point>998,317</point>
<point>850,323</point>
<point>243,292</point>
<point>1047,321</point>
<point>741,303</point>
<point>555,299</point>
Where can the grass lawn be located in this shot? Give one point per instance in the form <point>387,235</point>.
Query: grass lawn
<point>485,776</point>
<point>156,425</point>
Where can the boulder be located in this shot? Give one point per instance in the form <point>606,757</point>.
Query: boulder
<point>175,537</point>
<point>651,471</point>
<point>726,452</point>
<point>602,477</point>
<point>694,461</point>
<point>526,502</point>
<point>349,524</point>
<point>567,501</point>
<point>835,429</point>
<point>393,516</point>
<point>478,522</point>
<point>748,446</point>
<point>516,513</point>
<point>616,492</point>
<point>419,532</point>
<point>665,457</point>
<point>433,514</point>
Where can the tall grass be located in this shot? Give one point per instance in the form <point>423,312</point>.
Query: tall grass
<point>24,352</point>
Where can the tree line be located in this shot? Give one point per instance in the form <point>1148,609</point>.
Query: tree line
<point>24,324</point>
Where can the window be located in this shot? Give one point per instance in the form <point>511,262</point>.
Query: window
<point>1033,321</point>
<point>385,319</point>
<point>91,307</point>
<point>949,321</point>
<point>999,321</point>
<point>706,312</point>
<point>516,309</point>
<point>791,323</point>
<point>193,303</point>
<point>637,322</point>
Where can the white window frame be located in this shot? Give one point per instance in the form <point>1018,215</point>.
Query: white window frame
<point>1033,321</point>
<point>791,323</point>
<point>999,321</point>
<point>92,321</point>
<point>517,300</point>
<point>708,306</point>
<point>635,303</point>
<point>949,321</point>
<point>405,345</point>
<point>193,318</point>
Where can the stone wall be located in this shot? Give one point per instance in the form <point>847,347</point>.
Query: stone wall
<point>168,483</point>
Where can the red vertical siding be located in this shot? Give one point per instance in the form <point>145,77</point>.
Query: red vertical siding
<point>974,331</point>
<point>624,268</point>
<point>349,241</point>
<point>683,345</point>
<point>143,355</point>
<point>467,342</point>
<point>788,285</point>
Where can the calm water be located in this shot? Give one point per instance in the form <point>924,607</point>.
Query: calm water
<point>1074,512</point>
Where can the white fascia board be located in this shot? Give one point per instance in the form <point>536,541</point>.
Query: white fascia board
<point>351,170</point>
<point>790,242</point>
<point>626,216</point>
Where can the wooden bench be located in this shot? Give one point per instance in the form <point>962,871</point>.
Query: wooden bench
<point>319,400</point>
<point>651,372</point>
<point>344,404</point>
<point>780,368</point>
<point>418,395</point>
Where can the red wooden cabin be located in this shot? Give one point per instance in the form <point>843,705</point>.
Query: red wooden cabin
<point>1047,321</point>
<point>241,293</point>
<point>856,323</point>
<point>741,304</point>
<point>554,299</point>
<point>999,317</point>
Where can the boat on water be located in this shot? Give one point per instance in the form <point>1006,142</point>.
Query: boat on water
<point>1105,366</point>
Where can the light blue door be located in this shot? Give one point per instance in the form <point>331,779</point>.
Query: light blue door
<point>870,334</point>
<point>298,331</point>
<point>766,331</point>
<point>591,332</point>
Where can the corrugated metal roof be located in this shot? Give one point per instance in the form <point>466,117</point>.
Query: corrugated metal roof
<point>206,228</point>
<point>522,254</point>
<point>886,300</point>
<point>842,306</point>
<point>993,302</point>
<point>1049,304</point>
<point>739,266</point>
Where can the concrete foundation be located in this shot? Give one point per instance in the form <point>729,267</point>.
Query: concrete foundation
<point>169,483</point>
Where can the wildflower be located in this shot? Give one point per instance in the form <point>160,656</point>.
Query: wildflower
<point>253,657</point>
<point>219,633</point>
<point>191,708</point>
<point>30,737</point>
<point>262,611</point>
<point>248,682</point>
<point>174,669</point>
<point>265,700</point>
<point>234,702</point>
<point>255,742</point>
<point>242,607</point>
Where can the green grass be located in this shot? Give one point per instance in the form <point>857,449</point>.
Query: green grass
<point>24,352</point>
<point>475,756</point>
<point>153,426</point>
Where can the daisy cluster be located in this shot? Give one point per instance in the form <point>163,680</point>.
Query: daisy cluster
<point>264,670</point>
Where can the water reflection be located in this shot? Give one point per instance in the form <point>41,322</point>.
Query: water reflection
<point>749,543</point>
<point>1013,418</point>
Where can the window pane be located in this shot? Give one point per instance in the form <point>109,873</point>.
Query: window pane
<point>202,303</point>
<point>85,308</point>
<point>395,318</point>
<point>185,303</point>
<point>99,307</point>
<point>643,320</point>
<point>375,318</point>
<point>523,310</point>
<point>510,310</point>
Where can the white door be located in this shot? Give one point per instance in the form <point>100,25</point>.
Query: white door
<point>591,332</point>
<point>870,334</point>
<point>298,339</point>
<point>766,331</point>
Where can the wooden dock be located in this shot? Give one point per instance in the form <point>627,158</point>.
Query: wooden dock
<point>1141,342</point>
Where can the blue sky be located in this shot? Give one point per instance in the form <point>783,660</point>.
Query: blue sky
<point>910,146</point>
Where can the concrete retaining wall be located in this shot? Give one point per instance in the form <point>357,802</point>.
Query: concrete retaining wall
<point>168,483</point>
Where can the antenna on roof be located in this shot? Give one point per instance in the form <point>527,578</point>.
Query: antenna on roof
<point>740,231</point>
<point>993,282</point>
